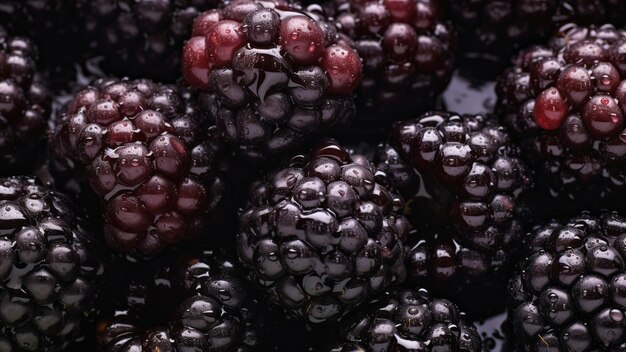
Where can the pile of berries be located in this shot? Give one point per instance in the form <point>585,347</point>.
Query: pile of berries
<point>286,175</point>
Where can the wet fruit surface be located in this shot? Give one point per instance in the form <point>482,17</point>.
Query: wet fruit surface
<point>51,268</point>
<point>464,179</point>
<point>274,74</point>
<point>564,103</point>
<point>324,234</point>
<point>150,157</point>
<point>569,288</point>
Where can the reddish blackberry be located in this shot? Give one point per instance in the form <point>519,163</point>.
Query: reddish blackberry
<point>24,106</point>
<point>565,103</point>
<point>323,234</point>
<point>497,27</point>
<point>275,75</point>
<point>408,320</point>
<point>569,293</point>
<point>466,208</point>
<point>140,38</point>
<point>155,163</point>
<point>198,303</point>
<point>407,48</point>
<point>50,268</point>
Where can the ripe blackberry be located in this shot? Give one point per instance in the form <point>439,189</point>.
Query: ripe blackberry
<point>407,48</point>
<point>323,234</point>
<point>568,293</point>
<point>150,157</point>
<point>465,181</point>
<point>497,28</point>
<point>275,75</point>
<point>50,268</point>
<point>198,303</point>
<point>25,105</point>
<point>140,38</point>
<point>403,320</point>
<point>565,103</point>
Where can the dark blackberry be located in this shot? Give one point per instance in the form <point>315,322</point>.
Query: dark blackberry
<point>147,153</point>
<point>25,105</point>
<point>197,303</point>
<point>274,74</point>
<point>408,320</point>
<point>497,28</point>
<point>323,234</point>
<point>50,268</point>
<point>565,104</point>
<point>464,180</point>
<point>140,38</point>
<point>407,48</point>
<point>569,291</point>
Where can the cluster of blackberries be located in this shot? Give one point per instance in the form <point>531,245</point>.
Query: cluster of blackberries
<point>284,175</point>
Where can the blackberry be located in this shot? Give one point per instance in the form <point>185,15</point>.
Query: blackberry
<point>464,182</point>
<point>50,270</point>
<point>140,38</point>
<point>323,234</point>
<point>25,105</point>
<point>565,103</point>
<point>568,293</point>
<point>275,74</point>
<point>403,320</point>
<point>407,48</point>
<point>198,303</point>
<point>149,156</point>
<point>498,28</point>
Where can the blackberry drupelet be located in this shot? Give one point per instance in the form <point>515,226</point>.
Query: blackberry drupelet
<point>569,291</point>
<point>194,303</point>
<point>324,234</point>
<point>275,74</point>
<point>149,155</point>
<point>25,105</point>
<point>465,183</point>
<point>140,38</point>
<point>408,320</point>
<point>498,28</point>
<point>50,268</point>
<point>565,103</point>
<point>407,48</point>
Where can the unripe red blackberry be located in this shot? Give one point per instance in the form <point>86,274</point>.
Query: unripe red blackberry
<point>569,291</point>
<point>50,269</point>
<point>140,38</point>
<point>498,28</point>
<point>463,180</point>
<point>565,103</point>
<point>408,320</point>
<point>324,234</point>
<point>25,105</point>
<point>407,48</point>
<point>185,302</point>
<point>150,157</point>
<point>275,74</point>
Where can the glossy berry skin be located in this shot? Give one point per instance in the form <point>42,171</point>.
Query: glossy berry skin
<point>403,320</point>
<point>498,28</point>
<point>467,208</point>
<point>407,48</point>
<point>25,105</point>
<point>149,156</point>
<point>187,302</point>
<point>50,271</point>
<point>139,38</point>
<point>568,293</point>
<point>275,75</point>
<point>565,103</point>
<point>323,235</point>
